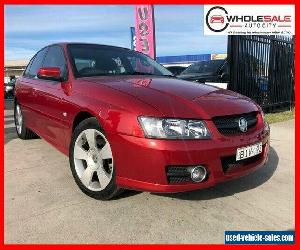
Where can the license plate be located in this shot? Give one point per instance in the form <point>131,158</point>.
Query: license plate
<point>249,151</point>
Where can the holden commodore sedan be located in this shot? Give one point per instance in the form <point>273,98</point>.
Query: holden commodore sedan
<point>126,123</point>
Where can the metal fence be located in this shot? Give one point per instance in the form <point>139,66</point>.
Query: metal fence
<point>262,68</point>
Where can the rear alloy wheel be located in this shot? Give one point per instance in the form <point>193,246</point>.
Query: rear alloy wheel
<point>23,132</point>
<point>91,161</point>
<point>18,119</point>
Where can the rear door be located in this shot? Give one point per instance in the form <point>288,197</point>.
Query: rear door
<point>25,89</point>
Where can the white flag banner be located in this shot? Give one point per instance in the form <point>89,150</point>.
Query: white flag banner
<point>249,19</point>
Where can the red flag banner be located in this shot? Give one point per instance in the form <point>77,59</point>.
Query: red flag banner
<point>145,29</point>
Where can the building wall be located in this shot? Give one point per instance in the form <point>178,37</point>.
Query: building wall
<point>14,67</point>
<point>13,71</point>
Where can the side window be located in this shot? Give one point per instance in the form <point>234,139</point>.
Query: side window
<point>26,72</point>
<point>55,58</point>
<point>36,63</point>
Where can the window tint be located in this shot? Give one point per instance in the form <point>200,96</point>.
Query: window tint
<point>26,72</point>
<point>36,63</point>
<point>84,63</point>
<point>55,58</point>
<point>96,60</point>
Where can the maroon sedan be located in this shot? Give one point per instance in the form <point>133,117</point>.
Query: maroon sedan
<point>126,122</point>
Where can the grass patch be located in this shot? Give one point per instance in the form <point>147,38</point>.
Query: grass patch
<point>280,116</point>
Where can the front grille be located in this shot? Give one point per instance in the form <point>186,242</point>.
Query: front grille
<point>178,174</point>
<point>230,162</point>
<point>229,125</point>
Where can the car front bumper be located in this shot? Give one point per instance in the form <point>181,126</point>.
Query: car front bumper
<point>141,163</point>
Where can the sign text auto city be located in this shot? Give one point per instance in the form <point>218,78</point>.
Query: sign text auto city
<point>249,20</point>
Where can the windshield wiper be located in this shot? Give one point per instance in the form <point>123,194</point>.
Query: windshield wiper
<point>144,73</point>
<point>138,73</point>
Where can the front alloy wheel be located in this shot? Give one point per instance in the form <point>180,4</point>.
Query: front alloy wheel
<point>91,161</point>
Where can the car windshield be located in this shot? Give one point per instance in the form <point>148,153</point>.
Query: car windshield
<point>203,67</point>
<point>98,60</point>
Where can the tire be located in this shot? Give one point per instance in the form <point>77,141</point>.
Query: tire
<point>91,161</point>
<point>22,132</point>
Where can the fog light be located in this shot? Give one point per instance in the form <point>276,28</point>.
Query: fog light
<point>198,173</point>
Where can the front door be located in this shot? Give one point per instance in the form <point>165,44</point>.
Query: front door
<point>48,99</point>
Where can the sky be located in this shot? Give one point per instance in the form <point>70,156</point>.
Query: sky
<point>179,28</point>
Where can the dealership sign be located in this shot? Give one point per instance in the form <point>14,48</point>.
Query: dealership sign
<point>144,29</point>
<point>249,20</point>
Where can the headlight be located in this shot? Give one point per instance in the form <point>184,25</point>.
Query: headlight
<point>174,128</point>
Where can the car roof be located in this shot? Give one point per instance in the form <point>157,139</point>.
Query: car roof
<point>89,44</point>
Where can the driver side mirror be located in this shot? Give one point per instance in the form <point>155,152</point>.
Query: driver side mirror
<point>50,73</point>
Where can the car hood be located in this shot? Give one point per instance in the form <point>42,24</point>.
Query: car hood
<point>177,98</point>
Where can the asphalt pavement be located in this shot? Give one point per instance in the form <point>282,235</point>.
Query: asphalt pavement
<point>44,205</point>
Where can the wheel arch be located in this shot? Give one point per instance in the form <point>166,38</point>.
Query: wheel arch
<point>81,116</point>
<point>85,114</point>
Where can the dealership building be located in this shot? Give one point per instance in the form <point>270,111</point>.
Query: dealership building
<point>13,68</point>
